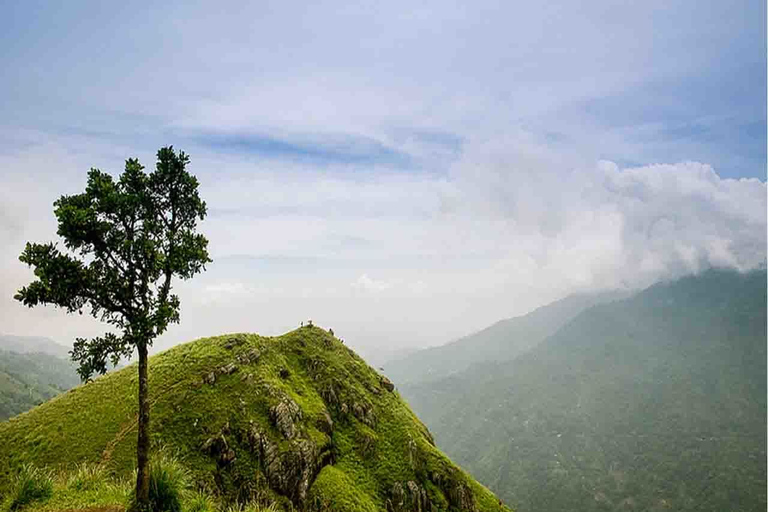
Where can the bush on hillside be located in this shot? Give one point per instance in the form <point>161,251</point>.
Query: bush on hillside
<point>30,484</point>
<point>169,480</point>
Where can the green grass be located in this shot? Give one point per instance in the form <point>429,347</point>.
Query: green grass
<point>376,443</point>
<point>30,485</point>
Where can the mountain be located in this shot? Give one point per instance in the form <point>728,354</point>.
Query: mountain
<point>33,344</point>
<point>27,380</point>
<point>297,419</point>
<point>502,341</point>
<point>655,402</point>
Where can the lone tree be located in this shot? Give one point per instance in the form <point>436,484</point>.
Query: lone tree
<point>125,240</point>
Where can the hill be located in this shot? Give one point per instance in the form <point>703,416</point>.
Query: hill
<point>33,344</point>
<point>299,420</point>
<point>502,341</point>
<point>656,402</point>
<point>27,380</point>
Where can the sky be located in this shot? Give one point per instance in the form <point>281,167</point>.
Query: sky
<point>404,173</point>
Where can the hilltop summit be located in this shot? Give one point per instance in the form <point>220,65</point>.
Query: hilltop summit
<point>299,420</point>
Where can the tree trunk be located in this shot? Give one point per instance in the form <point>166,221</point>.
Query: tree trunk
<point>142,449</point>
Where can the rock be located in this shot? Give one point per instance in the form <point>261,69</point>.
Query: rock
<point>234,341</point>
<point>290,471</point>
<point>325,423</point>
<point>228,369</point>
<point>387,384</point>
<point>461,497</point>
<point>249,357</point>
<point>409,498</point>
<point>210,378</point>
<point>218,447</point>
<point>364,413</point>
<point>285,415</point>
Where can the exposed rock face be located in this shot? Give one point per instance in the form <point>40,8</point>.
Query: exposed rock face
<point>285,415</point>
<point>325,424</point>
<point>292,470</point>
<point>409,498</point>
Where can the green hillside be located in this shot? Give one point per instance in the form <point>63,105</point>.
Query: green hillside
<point>27,380</point>
<point>298,420</point>
<point>657,402</point>
<point>502,341</point>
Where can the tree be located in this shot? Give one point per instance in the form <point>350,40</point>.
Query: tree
<point>125,240</point>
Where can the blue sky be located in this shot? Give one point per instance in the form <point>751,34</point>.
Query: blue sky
<point>427,168</point>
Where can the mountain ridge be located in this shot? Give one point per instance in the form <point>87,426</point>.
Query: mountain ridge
<point>503,340</point>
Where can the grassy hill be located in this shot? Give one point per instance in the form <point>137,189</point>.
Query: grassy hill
<point>298,420</point>
<point>656,402</point>
<point>27,380</point>
<point>502,341</point>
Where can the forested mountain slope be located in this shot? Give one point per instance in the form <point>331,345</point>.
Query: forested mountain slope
<point>27,380</point>
<point>656,402</point>
<point>502,341</point>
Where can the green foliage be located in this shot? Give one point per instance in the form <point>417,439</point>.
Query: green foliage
<point>656,402</point>
<point>169,481</point>
<point>30,484</point>
<point>334,491</point>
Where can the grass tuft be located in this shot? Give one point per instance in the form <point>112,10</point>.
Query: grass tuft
<point>169,480</point>
<point>86,477</point>
<point>199,502</point>
<point>30,484</point>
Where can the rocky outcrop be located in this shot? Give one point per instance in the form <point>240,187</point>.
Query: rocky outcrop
<point>285,416</point>
<point>410,497</point>
<point>292,469</point>
<point>218,447</point>
<point>387,384</point>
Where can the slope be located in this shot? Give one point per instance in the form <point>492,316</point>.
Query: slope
<point>33,344</point>
<point>30,379</point>
<point>502,341</point>
<point>656,402</point>
<point>297,419</point>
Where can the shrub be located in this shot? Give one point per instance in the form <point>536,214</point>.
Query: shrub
<point>30,484</point>
<point>168,481</point>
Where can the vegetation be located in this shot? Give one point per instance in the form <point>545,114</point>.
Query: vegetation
<point>656,402</point>
<point>502,341</point>
<point>293,422</point>
<point>32,345</point>
<point>27,380</point>
<point>30,485</point>
<point>126,240</point>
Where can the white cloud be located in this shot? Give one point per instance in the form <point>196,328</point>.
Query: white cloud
<point>367,284</point>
